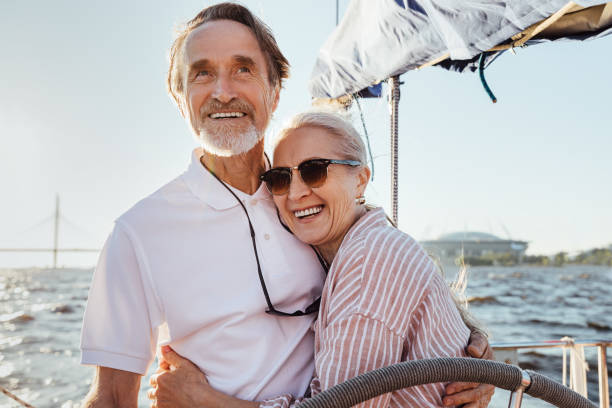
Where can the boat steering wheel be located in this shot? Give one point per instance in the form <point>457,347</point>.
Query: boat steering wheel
<point>417,372</point>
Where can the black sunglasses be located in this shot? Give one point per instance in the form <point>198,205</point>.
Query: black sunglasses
<point>313,173</point>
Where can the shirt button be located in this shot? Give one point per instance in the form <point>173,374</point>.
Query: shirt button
<point>266,236</point>
<point>254,201</point>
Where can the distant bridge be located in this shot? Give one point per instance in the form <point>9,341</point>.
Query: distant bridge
<point>55,249</point>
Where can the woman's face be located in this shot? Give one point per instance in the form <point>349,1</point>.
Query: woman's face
<point>332,205</point>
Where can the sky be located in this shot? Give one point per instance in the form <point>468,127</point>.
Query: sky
<point>84,114</point>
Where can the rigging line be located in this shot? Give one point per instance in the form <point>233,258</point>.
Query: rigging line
<point>481,68</point>
<point>14,397</point>
<point>367,136</point>
<point>34,226</point>
<point>76,227</point>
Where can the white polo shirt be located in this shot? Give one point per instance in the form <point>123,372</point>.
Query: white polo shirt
<point>179,269</point>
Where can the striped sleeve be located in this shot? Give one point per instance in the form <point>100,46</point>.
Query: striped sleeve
<point>283,401</point>
<point>355,344</point>
<point>437,331</point>
<point>288,400</point>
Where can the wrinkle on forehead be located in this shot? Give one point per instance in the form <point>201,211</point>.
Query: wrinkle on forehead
<point>223,32</point>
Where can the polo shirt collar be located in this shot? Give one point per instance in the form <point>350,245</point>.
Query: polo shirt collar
<point>208,189</point>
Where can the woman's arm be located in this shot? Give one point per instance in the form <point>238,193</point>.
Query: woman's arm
<point>354,344</point>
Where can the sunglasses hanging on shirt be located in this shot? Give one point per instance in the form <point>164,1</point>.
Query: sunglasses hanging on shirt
<point>314,307</point>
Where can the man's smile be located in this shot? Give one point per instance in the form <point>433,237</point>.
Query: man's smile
<point>223,115</point>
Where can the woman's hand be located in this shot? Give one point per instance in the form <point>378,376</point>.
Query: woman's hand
<point>474,395</point>
<point>178,383</point>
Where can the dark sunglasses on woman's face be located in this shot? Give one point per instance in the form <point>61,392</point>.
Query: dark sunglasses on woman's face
<point>313,173</point>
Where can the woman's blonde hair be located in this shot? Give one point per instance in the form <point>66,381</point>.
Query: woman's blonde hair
<point>349,142</point>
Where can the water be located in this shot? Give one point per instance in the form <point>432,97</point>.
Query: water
<point>41,312</point>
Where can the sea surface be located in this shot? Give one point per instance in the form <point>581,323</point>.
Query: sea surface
<point>41,312</point>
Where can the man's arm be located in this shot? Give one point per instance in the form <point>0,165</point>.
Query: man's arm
<point>117,330</point>
<point>113,388</point>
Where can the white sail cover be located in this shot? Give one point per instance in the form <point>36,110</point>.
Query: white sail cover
<point>377,39</point>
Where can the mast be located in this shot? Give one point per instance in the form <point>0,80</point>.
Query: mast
<point>394,83</point>
<point>56,231</point>
<point>337,12</point>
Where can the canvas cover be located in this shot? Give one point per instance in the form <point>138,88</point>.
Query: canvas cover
<point>377,39</point>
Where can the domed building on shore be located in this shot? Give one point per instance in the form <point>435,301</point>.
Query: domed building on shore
<point>471,244</point>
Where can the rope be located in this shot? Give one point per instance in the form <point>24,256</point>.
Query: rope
<point>578,366</point>
<point>367,136</point>
<point>16,398</point>
<point>481,67</point>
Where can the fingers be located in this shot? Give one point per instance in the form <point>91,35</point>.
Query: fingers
<point>487,393</point>
<point>172,357</point>
<point>153,380</point>
<point>460,398</point>
<point>478,351</point>
<point>477,345</point>
<point>478,397</point>
<point>163,365</point>
<point>456,387</point>
<point>488,354</point>
<point>152,393</point>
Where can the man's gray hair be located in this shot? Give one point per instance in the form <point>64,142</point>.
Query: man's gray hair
<point>348,141</point>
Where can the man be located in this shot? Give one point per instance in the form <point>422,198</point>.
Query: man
<point>195,263</point>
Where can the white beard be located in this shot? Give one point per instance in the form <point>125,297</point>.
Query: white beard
<point>228,141</point>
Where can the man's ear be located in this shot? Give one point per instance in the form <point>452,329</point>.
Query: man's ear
<point>276,96</point>
<point>181,105</point>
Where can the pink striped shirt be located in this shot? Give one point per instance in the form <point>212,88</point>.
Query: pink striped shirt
<point>383,302</point>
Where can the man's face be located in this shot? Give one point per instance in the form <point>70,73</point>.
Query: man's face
<point>228,96</point>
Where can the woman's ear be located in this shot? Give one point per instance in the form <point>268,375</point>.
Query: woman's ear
<point>363,179</point>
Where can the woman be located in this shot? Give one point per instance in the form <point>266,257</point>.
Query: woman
<point>383,301</point>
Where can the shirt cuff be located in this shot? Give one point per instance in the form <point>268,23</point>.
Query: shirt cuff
<point>114,360</point>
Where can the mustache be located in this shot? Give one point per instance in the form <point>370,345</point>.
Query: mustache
<point>237,105</point>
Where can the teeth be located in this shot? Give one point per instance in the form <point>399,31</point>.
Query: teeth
<point>226,115</point>
<point>308,211</point>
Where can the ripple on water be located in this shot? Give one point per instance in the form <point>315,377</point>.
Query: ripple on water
<point>476,300</point>
<point>599,326</point>
<point>16,317</point>
<point>6,342</point>
<point>553,323</point>
<point>6,369</point>
<point>62,308</point>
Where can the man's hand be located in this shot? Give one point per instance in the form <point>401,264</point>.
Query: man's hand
<point>178,383</point>
<point>473,394</point>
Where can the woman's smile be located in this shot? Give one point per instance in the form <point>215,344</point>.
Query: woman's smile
<point>308,213</point>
